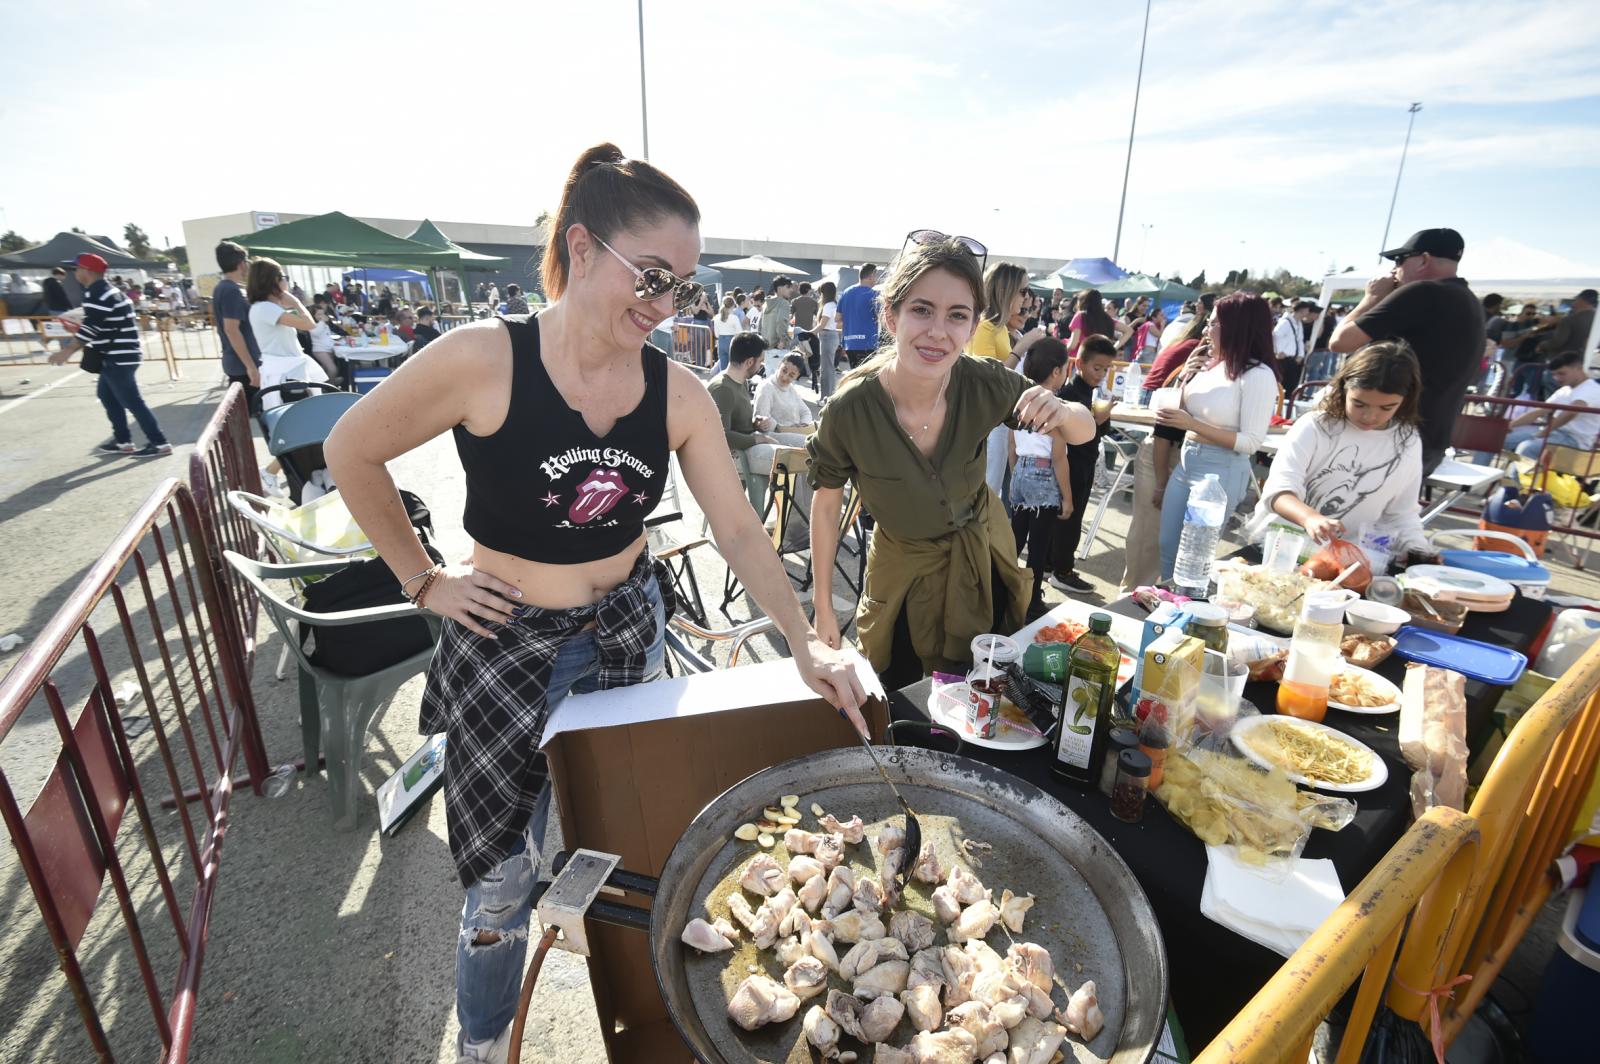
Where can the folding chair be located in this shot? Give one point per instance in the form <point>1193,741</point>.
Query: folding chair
<point>1120,455</point>
<point>1585,466</point>
<point>335,710</point>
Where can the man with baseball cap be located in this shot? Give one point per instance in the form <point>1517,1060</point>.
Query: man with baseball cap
<point>1424,303</point>
<point>109,339</point>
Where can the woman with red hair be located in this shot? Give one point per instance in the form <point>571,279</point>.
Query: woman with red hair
<point>1225,411</point>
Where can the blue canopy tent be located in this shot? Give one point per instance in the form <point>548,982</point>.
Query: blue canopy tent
<point>390,276</point>
<point>1096,271</point>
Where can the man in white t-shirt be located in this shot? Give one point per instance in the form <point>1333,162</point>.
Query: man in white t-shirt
<point>1568,428</point>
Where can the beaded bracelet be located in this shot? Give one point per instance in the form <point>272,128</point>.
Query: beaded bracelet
<point>411,580</point>
<point>427,584</point>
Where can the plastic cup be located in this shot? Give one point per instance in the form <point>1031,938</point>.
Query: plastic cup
<point>1221,688</point>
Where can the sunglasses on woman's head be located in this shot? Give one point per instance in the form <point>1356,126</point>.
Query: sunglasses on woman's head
<point>920,237</point>
<point>653,282</point>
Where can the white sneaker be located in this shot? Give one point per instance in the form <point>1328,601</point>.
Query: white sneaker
<point>490,1051</point>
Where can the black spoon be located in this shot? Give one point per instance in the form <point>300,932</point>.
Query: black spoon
<point>913,844</point>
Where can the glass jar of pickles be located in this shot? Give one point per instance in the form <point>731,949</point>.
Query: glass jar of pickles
<point>1208,623</point>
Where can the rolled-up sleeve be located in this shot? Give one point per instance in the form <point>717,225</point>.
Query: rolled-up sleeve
<point>829,462</point>
<point>1258,396</point>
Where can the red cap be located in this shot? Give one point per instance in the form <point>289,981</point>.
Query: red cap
<point>91,262</point>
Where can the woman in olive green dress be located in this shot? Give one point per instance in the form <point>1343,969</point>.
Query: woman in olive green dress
<point>908,428</point>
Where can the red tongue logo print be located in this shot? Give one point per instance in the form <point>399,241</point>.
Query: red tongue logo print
<point>602,490</point>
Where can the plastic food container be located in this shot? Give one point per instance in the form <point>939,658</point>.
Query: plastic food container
<point>1475,660</point>
<point>1374,618</point>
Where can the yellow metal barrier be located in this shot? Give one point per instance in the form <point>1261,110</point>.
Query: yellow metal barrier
<point>1427,872</point>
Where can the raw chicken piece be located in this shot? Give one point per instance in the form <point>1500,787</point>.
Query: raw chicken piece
<point>741,911</point>
<point>830,849</point>
<point>974,922</point>
<point>803,868</point>
<point>845,1011</point>
<point>1035,1042</point>
<point>984,959</point>
<point>797,922</point>
<point>967,888</point>
<point>763,876</point>
<point>821,1031</point>
<point>974,1017</point>
<point>945,905</point>
<point>812,893</point>
<point>884,1054</point>
<point>799,840</point>
<point>841,891</point>
<point>887,977</point>
<point>991,988</point>
<point>995,1058</point>
<point>703,937</point>
<point>761,1000</point>
<point>792,949</point>
<point>859,958</point>
<point>926,969</point>
<point>880,1018</point>
<point>959,972</point>
<point>769,920</point>
<point>869,895</point>
<point>912,928</point>
<point>890,838</point>
<point>852,830</point>
<point>806,978</point>
<point>821,947</point>
<point>928,869</point>
<point>1013,909</point>
<point>1010,1012</point>
<point>954,1046</point>
<point>1039,1004</point>
<point>892,949</point>
<point>1032,962</point>
<point>723,927</point>
<point>853,926</point>
<point>1083,1014</point>
<point>922,1006</point>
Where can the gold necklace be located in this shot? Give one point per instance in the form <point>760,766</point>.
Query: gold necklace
<point>932,410</point>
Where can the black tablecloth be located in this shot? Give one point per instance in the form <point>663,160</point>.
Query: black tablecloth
<point>1214,970</point>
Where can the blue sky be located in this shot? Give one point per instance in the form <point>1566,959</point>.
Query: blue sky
<point>1269,132</point>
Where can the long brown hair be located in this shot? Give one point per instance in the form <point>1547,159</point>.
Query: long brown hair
<point>261,282</point>
<point>1388,366</point>
<point>950,255</point>
<point>607,192</point>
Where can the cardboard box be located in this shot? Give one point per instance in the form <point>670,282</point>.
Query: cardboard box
<point>631,768</point>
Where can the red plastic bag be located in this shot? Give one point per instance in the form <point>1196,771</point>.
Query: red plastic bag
<point>1333,558</point>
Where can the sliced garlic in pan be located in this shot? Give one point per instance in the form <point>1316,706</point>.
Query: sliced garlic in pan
<point>789,800</point>
<point>771,813</point>
<point>816,809</point>
<point>746,832</point>
<point>766,841</point>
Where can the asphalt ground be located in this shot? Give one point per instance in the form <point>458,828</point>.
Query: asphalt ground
<point>323,946</point>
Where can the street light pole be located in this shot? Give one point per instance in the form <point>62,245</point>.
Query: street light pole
<point>1412,110</point>
<point>1138,82</point>
<point>644,110</point>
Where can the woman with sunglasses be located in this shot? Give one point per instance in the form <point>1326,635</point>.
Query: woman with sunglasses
<point>565,424</point>
<point>907,428</point>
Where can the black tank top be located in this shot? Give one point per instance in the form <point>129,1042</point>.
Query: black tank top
<point>546,488</point>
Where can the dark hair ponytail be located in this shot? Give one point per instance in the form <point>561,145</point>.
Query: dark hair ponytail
<point>606,192</point>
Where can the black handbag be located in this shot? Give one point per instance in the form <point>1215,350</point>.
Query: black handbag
<point>363,649</point>
<point>92,361</point>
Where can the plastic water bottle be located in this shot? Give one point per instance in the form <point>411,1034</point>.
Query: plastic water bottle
<point>1133,385</point>
<point>1202,527</point>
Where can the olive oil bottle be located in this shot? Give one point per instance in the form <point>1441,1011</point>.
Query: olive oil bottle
<point>1086,695</point>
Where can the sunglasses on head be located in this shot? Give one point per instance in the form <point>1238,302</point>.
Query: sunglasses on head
<point>653,282</point>
<point>919,237</point>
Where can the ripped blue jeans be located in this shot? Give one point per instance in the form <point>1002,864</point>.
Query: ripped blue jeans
<point>489,975</point>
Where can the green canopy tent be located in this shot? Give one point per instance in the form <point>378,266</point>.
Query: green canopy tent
<point>471,261</point>
<point>1131,287</point>
<point>337,239</point>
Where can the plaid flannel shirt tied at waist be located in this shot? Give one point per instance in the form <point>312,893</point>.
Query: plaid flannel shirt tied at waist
<point>490,699</point>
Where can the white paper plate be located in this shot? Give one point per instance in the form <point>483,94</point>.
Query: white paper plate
<point>1391,706</point>
<point>1126,632</point>
<point>1245,725</point>
<point>949,711</point>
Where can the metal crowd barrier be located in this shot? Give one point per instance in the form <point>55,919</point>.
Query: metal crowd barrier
<point>693,343</point>
<point>1462,890</point>
<point>144,673</point>
<point>188,335</point>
